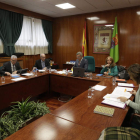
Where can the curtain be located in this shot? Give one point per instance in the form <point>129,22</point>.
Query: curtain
<point>10,29</point>
<point>32,39</point>
<point>1,46</point>
<point>47,28</point>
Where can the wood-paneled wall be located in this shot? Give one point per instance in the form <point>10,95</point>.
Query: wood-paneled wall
<point>68,33</point>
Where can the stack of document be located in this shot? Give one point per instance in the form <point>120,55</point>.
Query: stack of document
<point>111,99</point>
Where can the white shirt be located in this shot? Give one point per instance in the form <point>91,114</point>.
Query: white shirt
<point>12,68</point>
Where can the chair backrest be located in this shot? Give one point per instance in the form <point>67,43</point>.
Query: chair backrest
<point>0,67</point>
<point>91,63</point>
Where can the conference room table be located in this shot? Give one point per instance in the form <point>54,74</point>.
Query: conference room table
<point>75,119</point>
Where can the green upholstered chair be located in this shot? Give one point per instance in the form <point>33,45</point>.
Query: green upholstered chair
<point>91,63</point>
<point>0,67</point>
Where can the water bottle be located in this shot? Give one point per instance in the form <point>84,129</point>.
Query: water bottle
<point>114,81</point>
<point>35,72</point>
<point>66,71</point>
<point>89,93</point>
<point>2,79</point>
<point>50,70</point>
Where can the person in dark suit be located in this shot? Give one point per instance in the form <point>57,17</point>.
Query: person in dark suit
<point>12,66</point>
<point>42,63</point>
<point>81,62</point>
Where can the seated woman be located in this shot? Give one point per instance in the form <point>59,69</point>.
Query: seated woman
<point>110,68</point>
<point>134,73</point>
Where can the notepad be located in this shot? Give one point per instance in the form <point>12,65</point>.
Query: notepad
<point>104,110</point>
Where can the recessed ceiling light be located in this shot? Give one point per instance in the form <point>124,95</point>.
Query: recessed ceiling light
<point>65,6</point>
<point>93,18</point>
<point>138,13</point>
<point>109,25</point>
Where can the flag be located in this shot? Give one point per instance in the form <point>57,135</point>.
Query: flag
<point>114,50</point>
<point>84,43</point>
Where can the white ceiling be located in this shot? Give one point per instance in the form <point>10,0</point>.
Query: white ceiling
<point>47,7</point>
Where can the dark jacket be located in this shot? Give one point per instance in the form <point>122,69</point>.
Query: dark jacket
<point>7,67</point>
<point>39,65</point>
<point>83,64</point>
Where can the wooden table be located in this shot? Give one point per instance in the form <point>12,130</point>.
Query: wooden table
<point>70,85</point>
<point>75,119</point>
<point>80,109</point>
<point>12,91</point>
<point>50,127</point>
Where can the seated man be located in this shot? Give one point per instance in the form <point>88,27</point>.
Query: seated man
<point>11,66</point>
<point>42,63</point>
<point>81,62</point>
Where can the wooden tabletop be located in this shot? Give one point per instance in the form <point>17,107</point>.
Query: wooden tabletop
<point>80,109</point>
<point>50,127</point>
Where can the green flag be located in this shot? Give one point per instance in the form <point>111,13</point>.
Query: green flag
<point>114,50</point>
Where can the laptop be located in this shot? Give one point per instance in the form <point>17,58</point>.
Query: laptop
<point>78,72</point>
<point>23,71</point>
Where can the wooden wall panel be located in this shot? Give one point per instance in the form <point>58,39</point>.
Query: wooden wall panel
<point>68,33</point>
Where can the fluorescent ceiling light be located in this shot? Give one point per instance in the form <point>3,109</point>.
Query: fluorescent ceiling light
<point>65,6</point>
<point>93,18</point>
<point>138,13</point>
<point>101,21</point>
<point>109,25</point>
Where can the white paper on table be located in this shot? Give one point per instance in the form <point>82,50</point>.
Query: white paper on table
<point>112,97</point>
<point>99,87</point>
<point>27,74</point>
<point>53,70</point>
<point>125,85</point>
<point>120,92</point>
<point>61,72</point>
<point>18,79</point>
<point>124,89</point>
<point>41,70</point>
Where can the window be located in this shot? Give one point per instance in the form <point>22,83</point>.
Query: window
<point>32,39</point>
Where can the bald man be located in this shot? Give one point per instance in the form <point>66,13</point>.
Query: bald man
<point>42,63</point>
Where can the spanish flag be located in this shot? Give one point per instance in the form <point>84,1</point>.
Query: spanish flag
<point>84,44</point>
